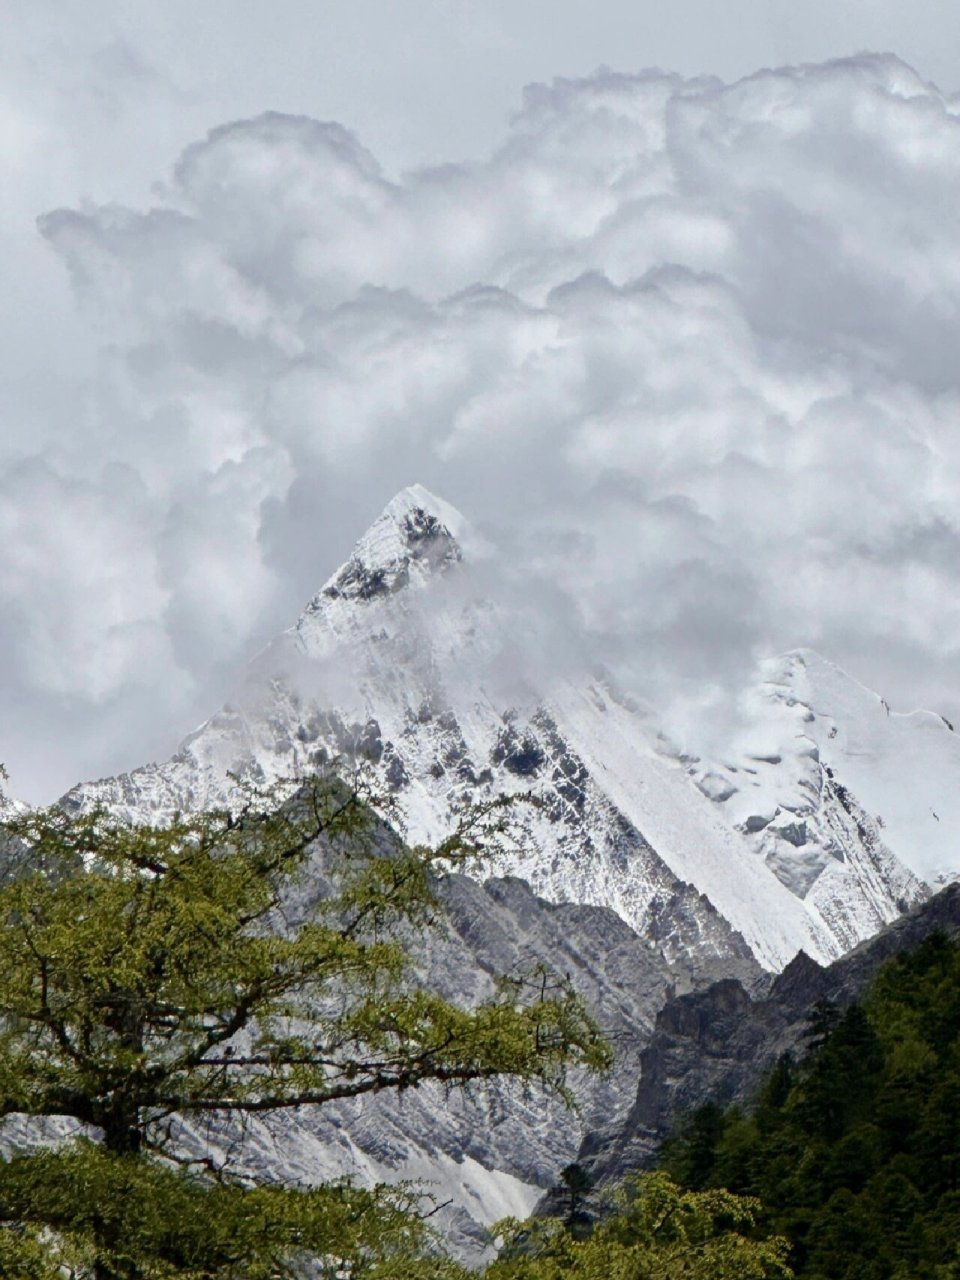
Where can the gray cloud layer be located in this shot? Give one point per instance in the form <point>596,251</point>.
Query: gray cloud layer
<point>687,349</point>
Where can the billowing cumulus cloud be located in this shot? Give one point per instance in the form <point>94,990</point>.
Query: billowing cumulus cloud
<point>687,352</point>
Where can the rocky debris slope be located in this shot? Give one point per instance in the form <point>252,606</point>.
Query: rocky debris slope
<point>717,1044</point>
<point>494,1149</point>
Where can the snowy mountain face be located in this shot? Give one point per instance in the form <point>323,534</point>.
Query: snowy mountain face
<point>10,807</point>
<point>828,817</point>
<point>807,784</point>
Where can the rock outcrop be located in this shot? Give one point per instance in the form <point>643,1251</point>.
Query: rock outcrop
<point>717,1044</point>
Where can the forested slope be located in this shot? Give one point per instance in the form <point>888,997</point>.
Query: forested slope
<point>854,1150</point>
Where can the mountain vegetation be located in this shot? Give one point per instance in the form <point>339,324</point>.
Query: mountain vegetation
<point>656,1231</point>
<point>854,1151</point>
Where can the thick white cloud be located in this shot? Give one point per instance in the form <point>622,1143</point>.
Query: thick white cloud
<point>688,349</point>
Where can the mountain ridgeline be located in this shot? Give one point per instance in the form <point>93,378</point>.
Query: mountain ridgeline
<point>717,1045</point>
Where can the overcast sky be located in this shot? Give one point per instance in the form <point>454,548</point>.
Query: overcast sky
<point>706,400</point>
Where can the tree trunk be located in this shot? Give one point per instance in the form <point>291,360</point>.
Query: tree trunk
<point>122,1136</point>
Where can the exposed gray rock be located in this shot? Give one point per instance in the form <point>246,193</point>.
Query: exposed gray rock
<point>493,1149</point>
<point>717,1044</point>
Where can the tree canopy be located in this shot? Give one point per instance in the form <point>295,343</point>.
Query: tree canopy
<point>656,1231</point>
<point>151,975</point>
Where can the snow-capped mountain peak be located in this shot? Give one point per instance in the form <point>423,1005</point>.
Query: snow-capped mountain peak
<point>415,536</point>
<point>416,540</point>
<point>902,766</point>
<point>794,838</point>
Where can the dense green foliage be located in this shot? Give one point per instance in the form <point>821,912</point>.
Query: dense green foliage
<point>124,1215</point>
<point>656,1231</point>
<point>151,976</point>
<point>855,1152</point>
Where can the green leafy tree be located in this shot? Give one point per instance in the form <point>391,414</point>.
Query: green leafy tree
<point>152,977</point>
<point>657,1231</point>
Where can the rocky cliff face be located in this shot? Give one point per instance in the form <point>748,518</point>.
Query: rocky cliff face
<point>717,1044</point>
<point>494,1150</point>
